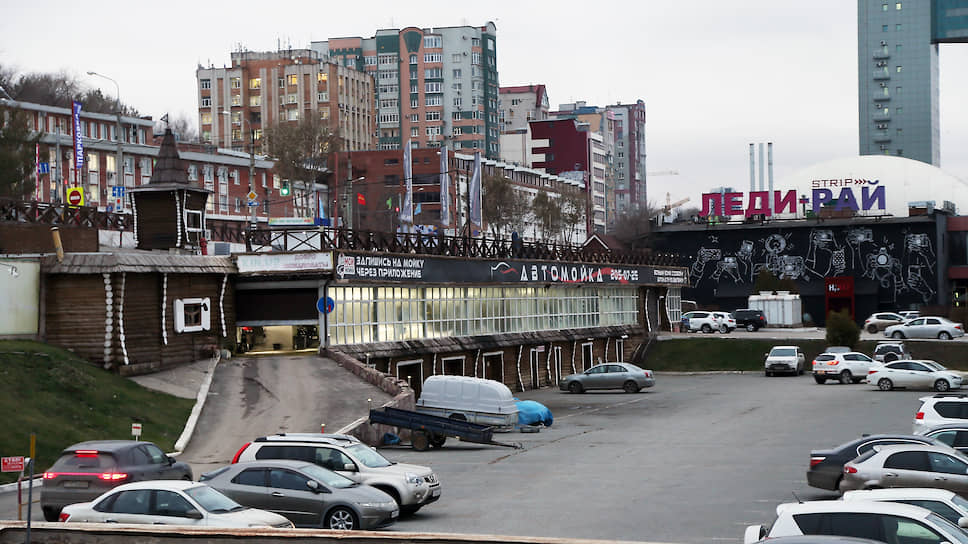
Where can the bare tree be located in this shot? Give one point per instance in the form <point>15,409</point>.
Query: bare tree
<point>574,208</point>
<point>634,227</point>
<point>182,126</point>
<point>301,150</point>
<point>547,214</point>
<point>503,206</point>
<point>59,90</point>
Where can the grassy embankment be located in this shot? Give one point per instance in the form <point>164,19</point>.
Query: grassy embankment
<point>699,354</point>
<point>63,399</point>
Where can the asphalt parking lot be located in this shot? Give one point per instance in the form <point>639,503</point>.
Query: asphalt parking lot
<point>695,459</point>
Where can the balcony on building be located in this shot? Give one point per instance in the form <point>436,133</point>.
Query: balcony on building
<point>882,136</point>
<point>881,73</point>
<point>881,116</point>
<point>882,53</point>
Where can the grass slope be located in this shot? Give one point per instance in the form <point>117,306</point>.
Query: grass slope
<point>701,354</point>
<point>64,400</point>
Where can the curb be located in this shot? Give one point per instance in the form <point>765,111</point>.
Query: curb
<point>186,434</point>
<point>6,488</point>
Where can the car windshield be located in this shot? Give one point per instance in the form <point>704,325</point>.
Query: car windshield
<point>213,501</point>
<point>327,477</point>
<point>960,502</point>
<point>951,529</point>
<point>783,352</point>
<point>368,456</point>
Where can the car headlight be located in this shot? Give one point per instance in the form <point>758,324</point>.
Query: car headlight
<point>375,504</point>
<point>413,478</point>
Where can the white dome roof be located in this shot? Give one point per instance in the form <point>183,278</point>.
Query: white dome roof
<point>904,181</point>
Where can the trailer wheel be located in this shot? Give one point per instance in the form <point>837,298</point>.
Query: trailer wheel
<point>419,440</point>
<point>437,440</point>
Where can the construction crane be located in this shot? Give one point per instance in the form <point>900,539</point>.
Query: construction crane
<point>669,206</point>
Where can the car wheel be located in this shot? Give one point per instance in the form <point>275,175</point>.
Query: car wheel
<point>341,518</point>
<point>437,440</point>
<point>898,335</point>
<point>941,386</point>
<point>768,374</point>
<point>846,377</point>
<point>706,328</point>
<point>420,440</point>
<point>51,513</point>
<point>799,371</point>
<point>872,329</point>
<point>820,379</point>
<point>576,387</point>
<point>943,335</point>
<point>751,328</point>
<point>723,329</point>
<point>630,387</point>
<point>885,384</point>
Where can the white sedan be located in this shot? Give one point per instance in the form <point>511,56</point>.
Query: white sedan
<point>170,502</point>
<point>926,327</point>
<point>913,374</point>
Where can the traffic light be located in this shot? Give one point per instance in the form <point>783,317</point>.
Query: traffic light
<point>284,189</point>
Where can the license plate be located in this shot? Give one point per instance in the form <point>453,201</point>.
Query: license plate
<point>76,484</point>
<point>395,513</point>
<point>435,492</point>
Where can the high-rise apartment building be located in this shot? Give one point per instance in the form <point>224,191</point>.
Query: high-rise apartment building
<point>433,85</point>
<point>629,161</point>
<point>262,89</point>
<point>897,50</point>
<point>601,174</point>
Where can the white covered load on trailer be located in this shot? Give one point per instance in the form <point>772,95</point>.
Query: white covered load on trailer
<point>486,402</point>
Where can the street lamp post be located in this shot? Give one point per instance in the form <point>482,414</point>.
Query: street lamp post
<point>119,167</point>
<point>252,217</point>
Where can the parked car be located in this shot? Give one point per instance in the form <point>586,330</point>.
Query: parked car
<point>909,314</point>
<point>487,402</point>
<point>750,319</point>
<point>954,435</point>
<point>727,323</point>
<point>706,322</point>
<point>827,466</point>
<point>885,352</point>
<point>850,367</point>
<point>907,465</point>
<point>882,320</point>
<point>608,376</point>
<point>86,470</point>
<point>947,504</point>
<point>411,486</point>
<point>788,359</point>
<point>878,521</point>
<point>308,494</point>
<point>170,502</point>
<point>926,327</point>
<point>837,349</point>
<point>940,409</point>
<point>912,374</point>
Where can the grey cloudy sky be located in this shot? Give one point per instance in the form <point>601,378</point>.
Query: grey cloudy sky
<point>715,76</point>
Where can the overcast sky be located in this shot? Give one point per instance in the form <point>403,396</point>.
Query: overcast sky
<point>715,76</point>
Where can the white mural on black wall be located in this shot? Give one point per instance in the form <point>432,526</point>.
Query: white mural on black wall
<point>899,268</point>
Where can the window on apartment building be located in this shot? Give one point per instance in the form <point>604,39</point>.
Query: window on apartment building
<point>458,131</point>
<point>387,60</point>
<point>414,132</point>
<point>433,116</point>
<point>322,77</point>
<point>898,27</point>
<point>883,28</point>
<point>255,100</point>
<point>256,133</point>
<point>205,83</point>
<point>236,100</point>
<point>433,42</point>
<point>192,172</point>
<point>457,102</point>
<point>322,97</point>
<point>897,6</point>
<point>388,75</point>
<point>476,59</point>
<point>206,118</point>
<point>206,135</point>
<point>255,83</point>
<point>433,100</point>
<point>282,82</point>
<point>369,60</point>
<point>414,88</point>
<point>235,82</point>
<point>413,75</point>
<point>236,134</point>
<point>234,174</point>
<point>291,98</point>
<point>413,60</point>
<point>206,102</point>
<point>455,57</point>
<point>238,204</point>
<point>432,57</point>
<point>434,73</point>
<point>457,116</point>
<point>294,79</point>
<point>414,103</point>
<point>292,115</point>
<point>899,68</point>
<point>432,87</point>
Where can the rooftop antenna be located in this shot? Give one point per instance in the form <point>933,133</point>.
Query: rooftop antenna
<point>796,497</point>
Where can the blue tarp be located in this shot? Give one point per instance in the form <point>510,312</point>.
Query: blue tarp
<point>532,413</point>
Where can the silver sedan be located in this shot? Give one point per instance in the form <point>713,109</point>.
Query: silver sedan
<point>926,327</point>
<point>908,465</point>
<point>608,376</point>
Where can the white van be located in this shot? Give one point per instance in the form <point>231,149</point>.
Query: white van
<point>486,402</point>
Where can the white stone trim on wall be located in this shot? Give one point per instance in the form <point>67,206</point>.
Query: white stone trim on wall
<point>108,318</point>
<point>124,346</point>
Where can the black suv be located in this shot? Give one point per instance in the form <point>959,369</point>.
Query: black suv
<point>753,320</point>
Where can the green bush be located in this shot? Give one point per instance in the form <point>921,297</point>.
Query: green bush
<point>842,330</point>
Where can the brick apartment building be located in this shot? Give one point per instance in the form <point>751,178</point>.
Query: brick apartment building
<point>434,85</point>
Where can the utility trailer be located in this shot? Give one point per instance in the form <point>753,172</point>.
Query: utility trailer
<point>430,430</point>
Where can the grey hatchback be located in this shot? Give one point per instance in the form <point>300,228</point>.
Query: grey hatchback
<point>624,376</point>
<point>86,470</point>
<point>306,493</point>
